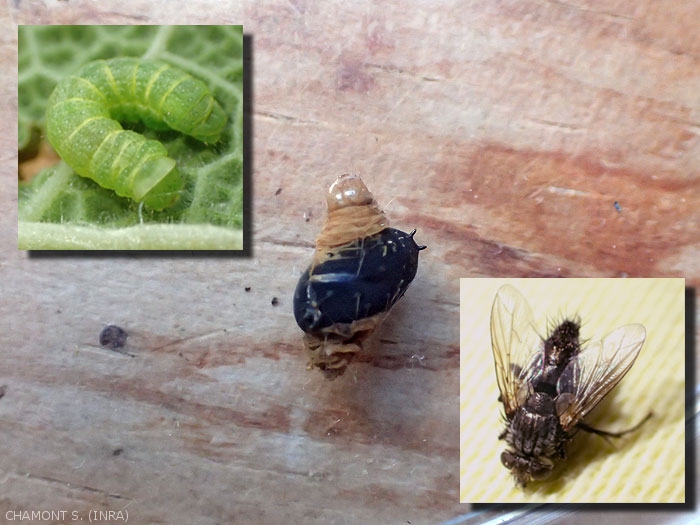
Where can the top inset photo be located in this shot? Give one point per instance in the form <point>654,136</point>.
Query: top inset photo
<point>130,138</point>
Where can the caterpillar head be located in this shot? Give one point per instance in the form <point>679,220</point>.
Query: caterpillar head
<point>353,213</point>
<point>347,191</point>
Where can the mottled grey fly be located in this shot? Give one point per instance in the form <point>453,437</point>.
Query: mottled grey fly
<point>549,385</point>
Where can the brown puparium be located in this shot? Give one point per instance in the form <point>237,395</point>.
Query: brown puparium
<point>353,214</point>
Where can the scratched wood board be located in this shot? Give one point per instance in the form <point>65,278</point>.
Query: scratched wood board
<point>521,138</point>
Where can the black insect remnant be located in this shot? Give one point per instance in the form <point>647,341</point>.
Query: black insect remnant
<point>247,288</point>
<point>113,336</point>
<point>275,301</point>
<point>360,280</point>
<point>360,269</point>
<point>549,386</point>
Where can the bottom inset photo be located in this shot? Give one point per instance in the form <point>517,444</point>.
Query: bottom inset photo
<point>572,391</point>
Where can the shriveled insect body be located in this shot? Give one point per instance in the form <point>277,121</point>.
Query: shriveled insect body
<point>84,111</point>
<point>353,281</point>
<point>548,387</point>
<point>356,281</point>
<point>334,348</point>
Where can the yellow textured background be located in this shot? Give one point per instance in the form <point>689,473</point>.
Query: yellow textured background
<point>647,466</point>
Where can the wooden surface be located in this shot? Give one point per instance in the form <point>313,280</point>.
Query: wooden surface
<point>503,131</point>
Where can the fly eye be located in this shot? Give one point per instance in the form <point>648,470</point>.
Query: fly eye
<point>507,459</point>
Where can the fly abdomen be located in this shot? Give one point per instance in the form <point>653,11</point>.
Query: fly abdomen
<point>562,344</point>
<point>559,348</point>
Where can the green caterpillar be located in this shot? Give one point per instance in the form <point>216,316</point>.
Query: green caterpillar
<point>82,124</point>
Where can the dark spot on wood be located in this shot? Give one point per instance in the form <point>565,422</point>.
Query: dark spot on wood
<point>247,288</point>
<point>117,451</point>
<point>275,301</point>
<point>279,190</point>
<point>113,336</point>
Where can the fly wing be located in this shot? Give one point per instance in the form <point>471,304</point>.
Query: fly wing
<point>590,376</point>
<point>516,346</point>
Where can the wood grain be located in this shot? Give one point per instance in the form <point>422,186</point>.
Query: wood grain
<point>503,131</point>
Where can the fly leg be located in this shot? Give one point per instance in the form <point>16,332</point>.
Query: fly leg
<point>605,434</point>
